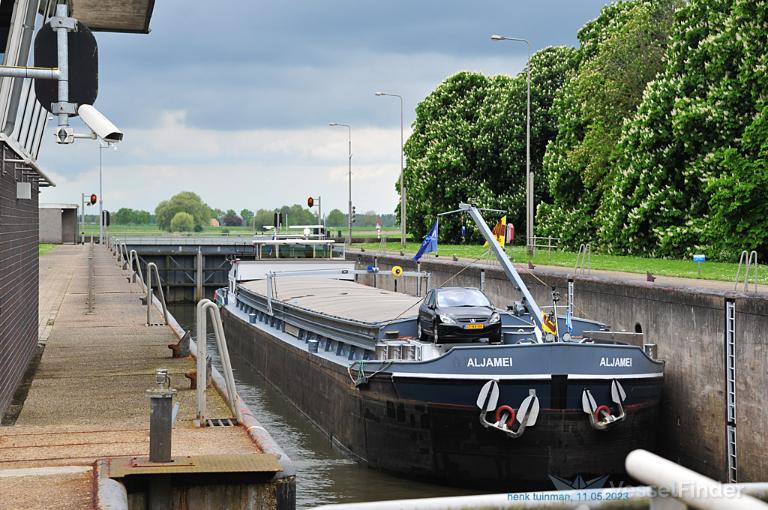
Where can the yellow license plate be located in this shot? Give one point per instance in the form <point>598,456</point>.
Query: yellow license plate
<point>474,326</point>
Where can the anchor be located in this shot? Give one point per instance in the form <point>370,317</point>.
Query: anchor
<point>506,417</point>
<point>600,417</point>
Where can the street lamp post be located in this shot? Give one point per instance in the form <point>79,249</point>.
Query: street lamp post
<point>101,199</point>
<point>349,205</point>
<point>529,175</point>
<point>102,145</point>
<point>402,178</point>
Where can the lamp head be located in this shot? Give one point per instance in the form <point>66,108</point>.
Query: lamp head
<point>378,93</point>
<point>333,124</point>
<point>496,37</point>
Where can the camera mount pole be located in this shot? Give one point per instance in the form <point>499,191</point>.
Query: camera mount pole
<point>62,24</point>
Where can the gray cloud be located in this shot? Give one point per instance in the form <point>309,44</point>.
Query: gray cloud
<point>240,69</point>
<point>237,65</point>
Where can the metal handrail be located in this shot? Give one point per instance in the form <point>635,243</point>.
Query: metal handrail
<point>150,267</point>
<point>203,306</point>
<point>549,244</point>
<point>751,262</point>
<point>123,255</point>
<point>134,257</point>
<point>584,256</point>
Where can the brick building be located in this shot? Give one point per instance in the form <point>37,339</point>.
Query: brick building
<point>22,127</point>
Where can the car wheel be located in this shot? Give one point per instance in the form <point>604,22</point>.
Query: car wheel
<point>420,332</point>
<point>434,332</point>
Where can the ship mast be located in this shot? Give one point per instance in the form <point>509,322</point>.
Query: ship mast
<point>506,264</point>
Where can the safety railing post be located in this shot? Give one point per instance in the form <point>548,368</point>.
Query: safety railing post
<point>203,306</point>
<point>152,267</point>
<point>134,257</point>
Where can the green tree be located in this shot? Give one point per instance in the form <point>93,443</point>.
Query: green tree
<point>622,50</point>
<point>469,143</point>
<point>297,215</point>
<point>123,216</point>
<point>336,218</point>
<point>182,222</point>
<point>127,216</point>
<point>684,181</point>
<point>185,201</point>
<point>263,218</point>
<point>247,216</point>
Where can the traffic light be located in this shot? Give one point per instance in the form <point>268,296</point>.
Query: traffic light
<point>105,218</point>
<point>93,198</point>
<point>277,220</point>
<point>310,202</point>
<point>353,214</point>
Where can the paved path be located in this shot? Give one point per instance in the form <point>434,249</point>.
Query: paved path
<point>87,399</point>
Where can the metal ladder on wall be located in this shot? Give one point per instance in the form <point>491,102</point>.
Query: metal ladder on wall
<point>583,257</point>
<point>730,381</point>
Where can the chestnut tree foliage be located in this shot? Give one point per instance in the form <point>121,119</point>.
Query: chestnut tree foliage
<point>621,51</point>
<point>650,138</point>
<point>468,143</point>
<point>692,170</point>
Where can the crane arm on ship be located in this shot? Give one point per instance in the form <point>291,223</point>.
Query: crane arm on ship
<point>506,264</point>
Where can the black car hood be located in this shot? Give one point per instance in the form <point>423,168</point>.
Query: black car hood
<point>467,311</point>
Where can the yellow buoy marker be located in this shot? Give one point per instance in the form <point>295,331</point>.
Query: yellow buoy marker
<point>397,271</point>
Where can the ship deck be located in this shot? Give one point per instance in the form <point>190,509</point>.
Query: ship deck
<point>339,298</point>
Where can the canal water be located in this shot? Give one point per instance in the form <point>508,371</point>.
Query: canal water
<point>323,474</point>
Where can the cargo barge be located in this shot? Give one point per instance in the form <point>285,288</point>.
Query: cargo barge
<point>500,415</point>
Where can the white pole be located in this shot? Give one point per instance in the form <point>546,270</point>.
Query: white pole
<point>101,202</point>
<point>529,200</point>
<point>403,212</point>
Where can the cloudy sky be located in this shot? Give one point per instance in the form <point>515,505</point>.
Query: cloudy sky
<point>232,100</point>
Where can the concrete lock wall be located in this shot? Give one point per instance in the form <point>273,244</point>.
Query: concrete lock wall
<point>18,280</point>
<point>687,324</point>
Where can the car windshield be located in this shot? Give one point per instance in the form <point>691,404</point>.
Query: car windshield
<point>461,297</point>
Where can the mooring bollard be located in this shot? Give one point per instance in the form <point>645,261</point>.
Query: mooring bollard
<point>160,417</point>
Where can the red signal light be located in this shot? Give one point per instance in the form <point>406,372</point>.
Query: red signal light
<point>93,198</point>
<point>310,202</point>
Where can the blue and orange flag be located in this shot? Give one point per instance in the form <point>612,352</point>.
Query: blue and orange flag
<point>429,244</point>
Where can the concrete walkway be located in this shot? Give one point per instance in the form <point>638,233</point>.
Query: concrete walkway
<point>87,400</point>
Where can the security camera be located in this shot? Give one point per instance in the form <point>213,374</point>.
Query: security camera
<point>99,124</point>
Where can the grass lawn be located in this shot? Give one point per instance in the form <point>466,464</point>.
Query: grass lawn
<point>682,268</point>
<point>43,248</point>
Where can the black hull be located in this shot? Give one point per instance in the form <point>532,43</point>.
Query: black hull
<point>441,443</point>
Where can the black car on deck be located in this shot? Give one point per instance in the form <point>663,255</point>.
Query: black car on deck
<point>458,314</point>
